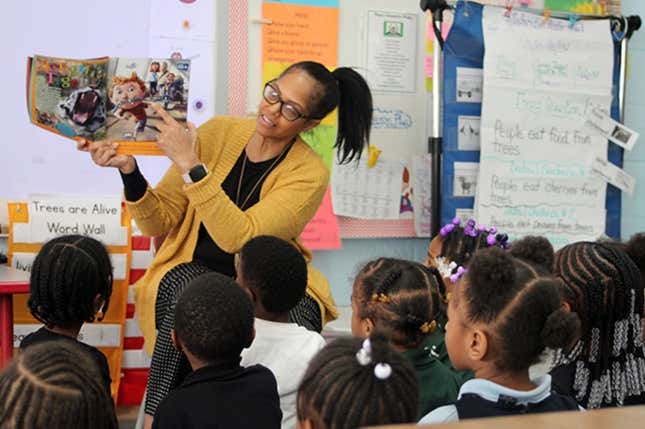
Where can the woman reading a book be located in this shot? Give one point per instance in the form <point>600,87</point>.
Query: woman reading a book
<point>231,180</point>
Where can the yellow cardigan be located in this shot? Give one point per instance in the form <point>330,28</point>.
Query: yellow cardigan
<point>289,197</point>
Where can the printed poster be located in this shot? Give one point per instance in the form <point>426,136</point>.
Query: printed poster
<point>392,51</point>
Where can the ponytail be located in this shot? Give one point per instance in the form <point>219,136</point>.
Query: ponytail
<point>346,89</point>
<point>354,114</point>
<point>353,383</point>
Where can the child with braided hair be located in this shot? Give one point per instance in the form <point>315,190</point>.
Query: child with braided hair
<point>70,283</point>
<point>634,248</point>
<point>402,298</point>
<point>448,254</point>
<point>455,245</point>
<point>54,385</point>
<point>502,315</point>
<point>606,366</point>
<point>353,383</point>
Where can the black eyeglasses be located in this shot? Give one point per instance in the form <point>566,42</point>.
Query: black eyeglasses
<point>288,111</point>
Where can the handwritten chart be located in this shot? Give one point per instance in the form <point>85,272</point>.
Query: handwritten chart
<point>367,192</point>
<point>536,149</point>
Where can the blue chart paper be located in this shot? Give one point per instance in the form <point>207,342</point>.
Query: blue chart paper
<point>462,94</point>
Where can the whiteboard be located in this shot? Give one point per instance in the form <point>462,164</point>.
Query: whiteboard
<point>35,160</point>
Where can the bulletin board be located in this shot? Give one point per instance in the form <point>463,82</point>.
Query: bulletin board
<point>464,54</point>
<point>401,117</point>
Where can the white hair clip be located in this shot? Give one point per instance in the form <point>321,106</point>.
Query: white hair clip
<point>445,268</point>
<point>364,355</point>
<point>367,345</point>
<point>382,371</point>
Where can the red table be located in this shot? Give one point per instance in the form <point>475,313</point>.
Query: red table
<point>11,281</point>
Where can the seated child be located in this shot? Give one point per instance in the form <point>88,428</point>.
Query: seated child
<point>70,283</point>
<point>502,315</point>
<point>400,297</point>
<point>213,323</point>
<point>354,383</point>
<point>448,253</point>
<point>274,274</point>
<point>55,385</point>
<point>606,366</point>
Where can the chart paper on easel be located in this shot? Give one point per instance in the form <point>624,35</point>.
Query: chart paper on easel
<point>541,79</point>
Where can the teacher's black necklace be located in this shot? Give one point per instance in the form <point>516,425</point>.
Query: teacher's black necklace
<point>257,183</point>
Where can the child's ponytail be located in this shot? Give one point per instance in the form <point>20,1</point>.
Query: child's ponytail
<point>522,304</point>
<point>536,250</point>
<point>355,383</point>
<point>560,329</point>
<point>400,296</point>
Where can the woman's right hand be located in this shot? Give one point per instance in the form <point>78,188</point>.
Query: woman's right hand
<point>103,153</point>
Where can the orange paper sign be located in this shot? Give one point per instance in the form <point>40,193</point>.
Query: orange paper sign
<point>299,33</point>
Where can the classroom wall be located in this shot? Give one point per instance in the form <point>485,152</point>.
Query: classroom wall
<point>633,214</point>
<point>341,266</point>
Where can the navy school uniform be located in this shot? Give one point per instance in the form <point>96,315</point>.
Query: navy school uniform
<point>482,398</point>
<point>223,395</point>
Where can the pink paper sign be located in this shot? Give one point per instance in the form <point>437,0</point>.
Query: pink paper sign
<point>321,233</point>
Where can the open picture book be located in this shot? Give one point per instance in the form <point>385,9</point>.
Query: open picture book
<point>107,98</point>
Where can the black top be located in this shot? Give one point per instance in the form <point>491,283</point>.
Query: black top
<point>43,334</point>
<point>207,252</point>
<point>473,406</point>
<point>562,378</point>
<point>223,395</point>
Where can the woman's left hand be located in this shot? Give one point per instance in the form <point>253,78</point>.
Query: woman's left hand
<point>176,140</point>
